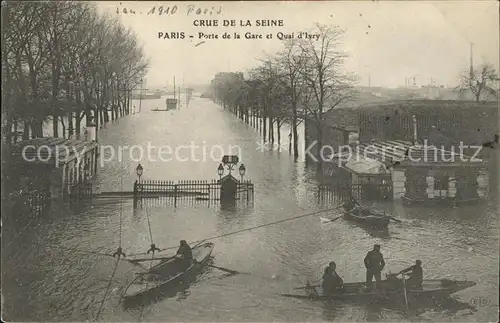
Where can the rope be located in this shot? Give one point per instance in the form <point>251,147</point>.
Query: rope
<point>121,211</point>
<point>118,253</point>
<point>251,228</point>
<point>149,225</point>
<point>147,282</point>
<point>107,289</point>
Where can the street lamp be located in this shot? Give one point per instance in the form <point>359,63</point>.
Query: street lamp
<point>242,171</point>
<point>138,171</point>
<point>220,170</point>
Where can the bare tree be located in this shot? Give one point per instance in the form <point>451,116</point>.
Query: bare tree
<point>480,82</point>
<point>328,84</point>
<point>292,60</point>
<point>61,61</point>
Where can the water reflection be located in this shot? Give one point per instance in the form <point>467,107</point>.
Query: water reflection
<point>41,280</point>
<point>179,292</point>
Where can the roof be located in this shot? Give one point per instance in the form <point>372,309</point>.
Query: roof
<point>405,153</point>
<point>426,103</point>
<point>365,165</point>
<point>50,150</point>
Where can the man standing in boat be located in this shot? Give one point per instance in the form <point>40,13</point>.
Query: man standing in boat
<point>374,263</point>
<point>185,254</point>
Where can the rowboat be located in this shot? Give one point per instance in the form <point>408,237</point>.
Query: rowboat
<point>389,289</point>
<point>367,217</point>
<point>167,273</point>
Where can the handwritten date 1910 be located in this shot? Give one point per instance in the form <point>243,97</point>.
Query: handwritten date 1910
<point>171,10</point>
<point>160,10</point>
<point>163,10</point>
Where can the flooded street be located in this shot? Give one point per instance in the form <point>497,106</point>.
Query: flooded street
<point>53,270</point>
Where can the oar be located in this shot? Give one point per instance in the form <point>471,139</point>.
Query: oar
<point>333,220</point>
<point>230,271</point>
<point>406,296</point>
<point>305,287</point>
<point>148,259</point>
<point>395,220</point>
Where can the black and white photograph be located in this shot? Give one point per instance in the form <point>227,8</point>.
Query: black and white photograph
<point>250,161</point>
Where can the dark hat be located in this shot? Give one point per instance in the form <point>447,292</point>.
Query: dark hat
<point>183,241</point>
<point>376,246</point>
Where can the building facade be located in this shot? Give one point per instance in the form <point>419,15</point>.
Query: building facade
<point>57,164</point>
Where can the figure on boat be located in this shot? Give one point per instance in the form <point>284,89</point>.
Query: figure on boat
<point>351,204</point>
<point>185,254</point>
<point>374,263</point>
<point>416,275</point>
<point>332,282</point>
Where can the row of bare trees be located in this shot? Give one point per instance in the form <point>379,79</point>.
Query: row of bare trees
<point>63,61</point>
<point>305,79</point>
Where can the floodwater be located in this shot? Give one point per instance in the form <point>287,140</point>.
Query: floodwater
<point>52,269</point>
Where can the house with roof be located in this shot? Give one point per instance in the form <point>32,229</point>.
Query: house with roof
<point>423,149</point>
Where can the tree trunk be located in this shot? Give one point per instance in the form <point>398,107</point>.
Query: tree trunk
<point>295,132</point>
<point>319,148</point>
<point>55,92</point>
<point>70,125</point>
<point>271,130</point>
<point>279,133</point>
<point>264,128</point>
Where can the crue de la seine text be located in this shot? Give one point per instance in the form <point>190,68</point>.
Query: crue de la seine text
<point>234,23</point>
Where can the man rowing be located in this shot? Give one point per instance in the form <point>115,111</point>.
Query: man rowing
<point>374,263</point>
<point>331,280</point>
<point>416,275</point>
<point>351,204</point>
<point>185,254</point>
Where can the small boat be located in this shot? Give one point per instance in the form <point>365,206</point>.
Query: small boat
<point>355,292</point>
<point>367,217</point>
<point>167,273</point>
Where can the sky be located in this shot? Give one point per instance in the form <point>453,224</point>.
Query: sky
<point>387,41</point>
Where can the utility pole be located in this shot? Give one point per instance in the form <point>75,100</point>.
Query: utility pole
<point>140,97</point>
<point>471,71</point>
<point>369,81</point>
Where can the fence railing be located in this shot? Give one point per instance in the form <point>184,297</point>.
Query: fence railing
<point>80,191</point>
<point>334,193</point>
<point>193,190</point>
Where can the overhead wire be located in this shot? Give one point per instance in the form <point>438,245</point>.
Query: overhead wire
<point>251,228</point>
<point>153,249</point>
<point>118,253</point>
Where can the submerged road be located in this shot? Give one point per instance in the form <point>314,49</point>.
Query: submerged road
<point>50,269</point>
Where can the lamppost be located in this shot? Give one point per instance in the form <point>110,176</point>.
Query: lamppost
<point>242,171</point>
<point>220,171</point>
<point>139,171</point>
